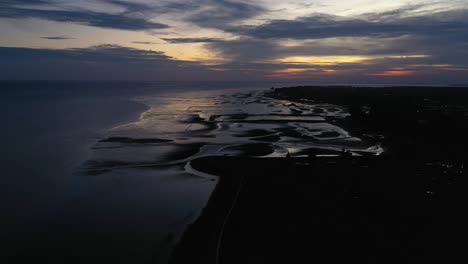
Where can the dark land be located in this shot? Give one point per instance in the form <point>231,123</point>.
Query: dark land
<point>404,206</point>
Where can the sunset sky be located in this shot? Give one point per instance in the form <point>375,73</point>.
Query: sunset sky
<point>353,41</point>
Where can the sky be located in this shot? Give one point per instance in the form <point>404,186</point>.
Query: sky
<point>353,41</point>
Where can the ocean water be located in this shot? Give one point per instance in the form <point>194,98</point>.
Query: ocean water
<point>53,210</point>
<point>99,172</point>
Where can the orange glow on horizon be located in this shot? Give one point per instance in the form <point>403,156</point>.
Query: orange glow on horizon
<point>323,60</point>
<point>292,70</point>
<point>326,60</point>
<point>393,73</point>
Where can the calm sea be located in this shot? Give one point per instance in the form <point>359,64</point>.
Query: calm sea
<point>51,211</point>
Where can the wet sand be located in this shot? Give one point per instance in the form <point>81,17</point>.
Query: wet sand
<point>238,124</point>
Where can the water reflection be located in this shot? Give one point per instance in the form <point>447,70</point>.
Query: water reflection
<point>178,128</point>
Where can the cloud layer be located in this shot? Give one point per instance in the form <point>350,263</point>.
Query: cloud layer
<point>98,62</point>
<point>43,10</point>
<point>318,26</point>
<point>427,40</point>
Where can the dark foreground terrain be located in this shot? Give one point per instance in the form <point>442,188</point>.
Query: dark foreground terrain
<point>404,206</point>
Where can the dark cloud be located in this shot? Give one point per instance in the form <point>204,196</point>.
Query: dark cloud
<point>221,13</point>
<point>98,54</point>
<point>191,40</point>
<point>326,26</point>
<point>56,38</point>
<point>309,5</point>
<point>22,9</point>
<point>394,14</point>
<point>145,42</point>
<point>104,62</point>
<point>246,49</point>
<point>129,6</point>
<point>117,53</point>
<point>183,6</point>
<point>442,36</point>
<point>24,2</point>
<point>136,15</point>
